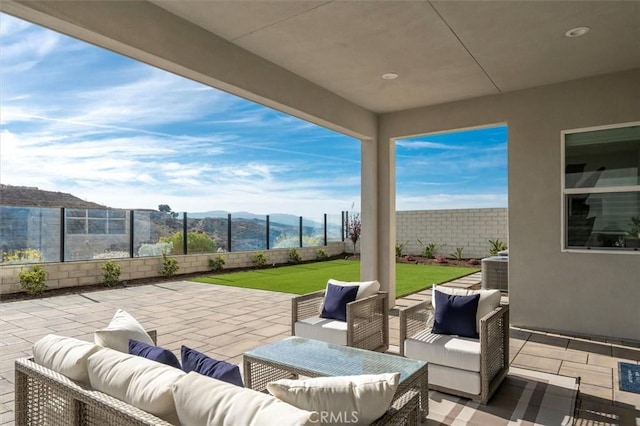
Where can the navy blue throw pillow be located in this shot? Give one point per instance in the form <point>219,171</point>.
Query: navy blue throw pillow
<point>153,353</point>
<point>456,314</point>
<point>336,299</point>
<point>193,360</point>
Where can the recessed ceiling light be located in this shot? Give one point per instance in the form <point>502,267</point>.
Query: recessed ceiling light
<point>390,76</point>
<point>577,32</point>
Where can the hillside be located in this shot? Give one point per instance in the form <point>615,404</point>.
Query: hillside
<point>34,197</point>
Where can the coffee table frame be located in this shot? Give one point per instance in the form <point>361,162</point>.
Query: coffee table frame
<point>259,372</point>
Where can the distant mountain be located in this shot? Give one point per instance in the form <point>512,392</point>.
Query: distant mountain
<point>282,218</point>
<point>34,197</point>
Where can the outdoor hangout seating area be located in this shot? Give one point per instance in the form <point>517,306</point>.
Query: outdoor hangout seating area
<point>552,379</point>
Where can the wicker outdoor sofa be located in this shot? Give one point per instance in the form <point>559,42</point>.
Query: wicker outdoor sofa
<point>45,397</point>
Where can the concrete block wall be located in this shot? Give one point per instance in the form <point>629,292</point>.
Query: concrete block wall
<point>470,229</point>
<point>81,273</point>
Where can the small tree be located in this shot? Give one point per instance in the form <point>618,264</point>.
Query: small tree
<point>33,280</point>
<point>354,228</point>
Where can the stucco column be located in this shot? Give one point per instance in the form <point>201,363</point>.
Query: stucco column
<point>386,202</point>
<point>369,210</point>
<point>377,246</point>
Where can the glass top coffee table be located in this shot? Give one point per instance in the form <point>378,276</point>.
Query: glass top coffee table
<point>296,356</point>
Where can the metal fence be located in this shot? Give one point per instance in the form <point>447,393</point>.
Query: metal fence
<point>34,234</point>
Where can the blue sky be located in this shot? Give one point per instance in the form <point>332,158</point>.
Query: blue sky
<point>79,119</point>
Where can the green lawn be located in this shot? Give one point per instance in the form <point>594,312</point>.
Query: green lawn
<point>301,279</point>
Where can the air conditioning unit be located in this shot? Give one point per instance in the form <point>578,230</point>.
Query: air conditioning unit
<point>495,273</point>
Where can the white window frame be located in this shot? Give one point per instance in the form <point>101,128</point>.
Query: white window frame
<point>600,190</point>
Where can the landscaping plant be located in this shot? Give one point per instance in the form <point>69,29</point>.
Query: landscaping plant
<point>322,254</point>
<point>259,259</point>
<point>400,248</point>
<point>33,280</point>
<point>197,242</point>
<point>110,273</point>
<point>294,256</point>
<point>169,265</point>
<point>27,255</point>
<point>216,264</point>
<point>496,246</point>
<point>429,250</point>
<point>354,228</point>
<point>457,255</point>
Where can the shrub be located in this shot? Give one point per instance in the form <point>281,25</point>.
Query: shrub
<point>473,262</point>
<point>33,281</point>
<point>259,259</point>
<point>457,255</point>
<point>322,254</point>
<point>169,265</point>
<point>399,248</point>
<point>441,259</point>
<point>496,246</point>
<point>197,242</point>
<point>110,273</point>
<point>216,264</point>
<point>156,249</point>
<point>294,256</point>
<point>429,250</point>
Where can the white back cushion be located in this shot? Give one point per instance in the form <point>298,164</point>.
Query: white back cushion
<point>204,401</point>
<point>365,288</point>
<point>356,400</point>
<point>121,328</point>
<point>138,381</point>
<point>65,355</point>
<point>489,300</point>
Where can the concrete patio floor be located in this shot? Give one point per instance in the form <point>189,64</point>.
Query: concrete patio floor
<point>224,322</point>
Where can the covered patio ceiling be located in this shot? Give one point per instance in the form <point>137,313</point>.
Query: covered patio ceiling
<point>442,50</point>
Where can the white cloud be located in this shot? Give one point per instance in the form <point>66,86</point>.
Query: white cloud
<point>411,144</point>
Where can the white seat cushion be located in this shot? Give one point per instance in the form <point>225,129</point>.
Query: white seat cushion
<point>489,300</point>
<point>65,355</point>
<point>138,381</point>
<point>326,330</point>
<point>443,349</point>
<point>205,401</point>
<point>357,400</point>
<point>453,378</point>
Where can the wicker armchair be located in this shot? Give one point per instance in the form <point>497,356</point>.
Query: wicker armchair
<point>366,327</point>
<point>493,352</point>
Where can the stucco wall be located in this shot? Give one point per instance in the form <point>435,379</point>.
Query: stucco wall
<point>580,293</point>
<point>75,274</point>
<point>470,229</point>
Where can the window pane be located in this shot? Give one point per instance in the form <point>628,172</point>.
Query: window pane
<point>97,213</point>
<point>97,226</point>
<point>603,158</point>
<point>117,226</point>
<point>75,213</point>
<point>117,214</point>
<point>604,220</point>
<point>76,226</point>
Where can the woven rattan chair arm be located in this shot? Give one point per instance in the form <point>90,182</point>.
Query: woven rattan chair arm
<point>404,412</point>
<point>494,348</point>
<point>28,373</point>
<point>366,307</point>
<point>412,320</point>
